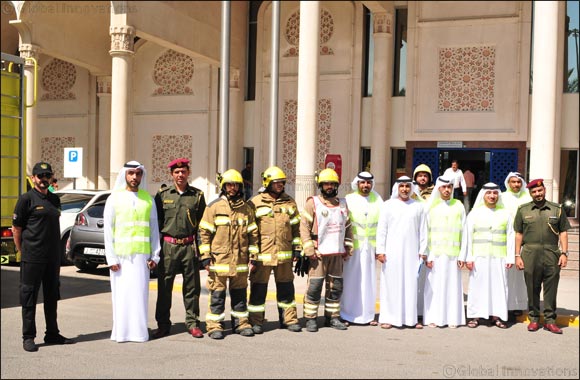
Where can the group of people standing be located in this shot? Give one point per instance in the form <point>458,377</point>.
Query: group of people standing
<point>421,238</point>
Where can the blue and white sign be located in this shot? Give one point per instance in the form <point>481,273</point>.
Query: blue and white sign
<point>73,162</point>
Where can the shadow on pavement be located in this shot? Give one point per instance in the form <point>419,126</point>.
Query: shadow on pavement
<point>70,287</point>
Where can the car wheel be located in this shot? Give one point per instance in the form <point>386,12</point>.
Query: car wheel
<point>85,265</point>
<point>64,260</point>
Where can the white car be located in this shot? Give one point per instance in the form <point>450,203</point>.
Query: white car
<point>72,202</point>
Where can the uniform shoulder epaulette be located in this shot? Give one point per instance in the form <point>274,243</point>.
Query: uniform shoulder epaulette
<point>219,199</point>
<point>163,189</point>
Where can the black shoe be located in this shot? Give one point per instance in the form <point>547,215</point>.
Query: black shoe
<point>217,334</point>
<point>258,329</point>
<point>294,328</point>
<point>29,345</point>
<point>246,332</point>
<point>311,325</point>
<point>160,333</point>
<point>335,323</point>
<point>57,339</point>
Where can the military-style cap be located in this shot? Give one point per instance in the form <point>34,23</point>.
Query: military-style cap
<point>178,163</point>
<point>41,168</point>
<point>535,183</point>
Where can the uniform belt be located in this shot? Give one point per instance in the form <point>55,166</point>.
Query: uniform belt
<point>181,241</point>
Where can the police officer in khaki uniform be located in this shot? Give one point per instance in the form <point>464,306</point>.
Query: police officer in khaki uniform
<point>539,225</point>
<point>179,208</point>
<point>278,222</point>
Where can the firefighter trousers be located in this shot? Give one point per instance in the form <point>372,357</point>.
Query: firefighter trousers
<point>217,286</point>
<point>284,277</point>
<point>326,269</point>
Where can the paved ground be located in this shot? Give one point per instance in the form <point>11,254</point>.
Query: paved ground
<point>359,352</point>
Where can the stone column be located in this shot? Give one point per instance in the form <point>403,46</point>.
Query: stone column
<point>543,147</point>
<point>307,122</point>
<point>381,106</point>
<point>121,85</point>
<point>236,119</point>
<point>104,132</point>
<point>33,153</point>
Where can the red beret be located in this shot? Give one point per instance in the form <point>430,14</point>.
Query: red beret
<point>535,183</point>
<point>178,163</point>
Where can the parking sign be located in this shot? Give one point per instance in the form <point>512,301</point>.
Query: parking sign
<point>73,162</point>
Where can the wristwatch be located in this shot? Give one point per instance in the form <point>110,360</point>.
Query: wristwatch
<point>564,253</point>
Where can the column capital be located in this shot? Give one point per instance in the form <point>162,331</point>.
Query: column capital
<point>122,39</point>
<point>382,23</point>
<point>104,85</point>
<point>29,51</point>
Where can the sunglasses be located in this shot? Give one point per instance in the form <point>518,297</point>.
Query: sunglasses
<point>44,175</point>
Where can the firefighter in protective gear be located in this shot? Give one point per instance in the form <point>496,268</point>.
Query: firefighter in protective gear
<point>229,240</point>
<point>278,223</point>
<point>424,180</point>
<point>326,235</point>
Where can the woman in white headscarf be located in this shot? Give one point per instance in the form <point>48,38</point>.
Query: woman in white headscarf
<point>132,249</point>
<point>489,254</point>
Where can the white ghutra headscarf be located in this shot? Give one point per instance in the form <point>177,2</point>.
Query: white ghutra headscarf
<point>490,186</point>
<point>518,175</point>
<point>121,182</point>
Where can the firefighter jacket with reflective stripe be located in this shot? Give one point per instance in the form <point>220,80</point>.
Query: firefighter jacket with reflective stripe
<point>131,231</point>
<point>445,224</point>
<point>228,235</point>
<point>334,226</point>
<point>364,216</point>
<point>279,226</point>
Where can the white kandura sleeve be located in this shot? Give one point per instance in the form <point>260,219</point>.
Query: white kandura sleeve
<point>109,220</point>
<point>154,238</point>
<point>382,229</point>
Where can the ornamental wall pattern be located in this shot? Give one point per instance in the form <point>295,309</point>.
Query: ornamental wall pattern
<point>466,79</point>
<point>173,73</point>
<point>167,148</point>
<point>292,33</point>
<point>58,78</point>
<point>289,135</point>
<point>51,151</point>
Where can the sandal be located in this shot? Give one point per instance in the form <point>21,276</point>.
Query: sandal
<point>473,323</point>
<point>432,325</point>
<point>499,323</point>
<point>418,326</point>
<point>386,326</point>
<point>373,323</point>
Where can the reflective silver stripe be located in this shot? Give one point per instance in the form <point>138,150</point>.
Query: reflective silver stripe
<point>284,305</point>
<point>135,223</point>
<point>207,226</point>
<point>285,254</point>
<point>252,227</point>
<point>348,243</point>
<point>253,249</point>
<point>222,221</point>
<point>204,248</point>
<point>445,243</point>
<point>264,257</point>
<point>219,268</point>
<point>307,216</point>
<point>239,314</point>
<point>215,317</point>
<point>358,225</point>
<point>295,220</point>
<point>130,239</point>
<point>445,229</point>
<point>296,241</point>
<point>312,308</point>
<point>242,268</point>
<point>263,211</point>
<point>256,308</point>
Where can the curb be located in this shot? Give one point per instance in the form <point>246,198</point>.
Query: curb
<point>561,320</point>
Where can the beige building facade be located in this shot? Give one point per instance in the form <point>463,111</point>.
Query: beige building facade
<point>141,80</point>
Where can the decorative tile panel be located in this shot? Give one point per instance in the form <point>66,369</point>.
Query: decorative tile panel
<point>52,151</point>
<point>58,78</point>
<point>289,135</point>
<point>292,33</point>
<point>173,72</point>
<point>467,79</point>
<point>167,148</point>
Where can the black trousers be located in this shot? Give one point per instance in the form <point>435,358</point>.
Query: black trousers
<point>32,275</point>
<point>458,194</point>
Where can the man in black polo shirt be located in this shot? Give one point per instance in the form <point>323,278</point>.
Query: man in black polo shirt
<point>36,230</point>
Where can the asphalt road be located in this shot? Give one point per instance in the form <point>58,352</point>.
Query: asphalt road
<point>359,352</point>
